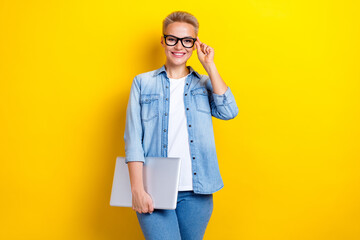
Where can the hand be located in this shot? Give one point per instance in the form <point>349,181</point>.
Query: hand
<point>142,202</point>
<point>205,53</point>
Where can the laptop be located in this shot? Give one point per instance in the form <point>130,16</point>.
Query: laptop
<point>161,179</point>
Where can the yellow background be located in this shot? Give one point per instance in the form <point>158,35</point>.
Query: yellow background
<point>289,160</point>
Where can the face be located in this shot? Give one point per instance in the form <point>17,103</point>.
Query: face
<point>180,30</point>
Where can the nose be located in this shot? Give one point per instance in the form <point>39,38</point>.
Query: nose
<point>178,45</point>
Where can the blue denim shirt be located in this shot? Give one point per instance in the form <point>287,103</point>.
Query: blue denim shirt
<point>147,119</point>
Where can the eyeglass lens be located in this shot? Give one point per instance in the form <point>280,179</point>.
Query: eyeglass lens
<point>187,42</point>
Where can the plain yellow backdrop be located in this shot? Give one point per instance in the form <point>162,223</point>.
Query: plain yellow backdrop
<point>290,160</point>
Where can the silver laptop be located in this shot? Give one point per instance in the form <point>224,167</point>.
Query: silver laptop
<point>161,179</point>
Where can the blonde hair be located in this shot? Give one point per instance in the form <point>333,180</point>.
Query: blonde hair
<point>181,16</point>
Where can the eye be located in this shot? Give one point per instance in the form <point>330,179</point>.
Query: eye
<point>171,39</point>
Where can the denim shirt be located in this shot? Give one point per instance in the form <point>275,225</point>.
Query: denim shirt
<point>147,120</point>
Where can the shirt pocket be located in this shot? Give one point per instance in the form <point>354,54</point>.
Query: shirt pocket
<point>201,96</point>
<point>149,106</point>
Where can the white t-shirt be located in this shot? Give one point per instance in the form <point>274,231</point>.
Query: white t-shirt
<point>178,138</point>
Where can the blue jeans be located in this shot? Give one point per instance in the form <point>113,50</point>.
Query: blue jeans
<point>188,221</point>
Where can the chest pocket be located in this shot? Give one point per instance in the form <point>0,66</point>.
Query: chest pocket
<point>149,106</point>
<point>201,96</point>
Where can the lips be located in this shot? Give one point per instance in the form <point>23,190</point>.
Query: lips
<point>178,54</point>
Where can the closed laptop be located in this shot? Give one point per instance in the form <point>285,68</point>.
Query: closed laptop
<point>161,179</point>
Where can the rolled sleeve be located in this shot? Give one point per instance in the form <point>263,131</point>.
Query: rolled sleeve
<point>133,129</point>
<point>222,106</point>
<point>224,99</point>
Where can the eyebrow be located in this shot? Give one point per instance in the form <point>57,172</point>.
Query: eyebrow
<point>182,37</point>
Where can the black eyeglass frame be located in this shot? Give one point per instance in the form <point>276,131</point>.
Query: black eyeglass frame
<point>181,40</point>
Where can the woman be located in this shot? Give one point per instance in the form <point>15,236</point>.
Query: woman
<point>169,114</point>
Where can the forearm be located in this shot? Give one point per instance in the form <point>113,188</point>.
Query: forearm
<point>136,176</point>
<point>223,105</point>
<point>219,86</point>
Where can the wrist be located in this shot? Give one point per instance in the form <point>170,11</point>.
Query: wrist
<point>137,190</point>
<point>210,67</point>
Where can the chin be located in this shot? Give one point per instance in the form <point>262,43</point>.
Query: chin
<point>176,63</point>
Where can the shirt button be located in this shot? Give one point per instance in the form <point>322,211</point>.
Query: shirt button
<point>167,86</point>
<point>166,99</point>
<point>193,157</point>
<point>194,173</point>
<point>165,114</point>
<point>187,84</point>
<point>191,141</point>
<point>189,125</point>
<point>187,109</point>
<point>164,130</point>
<point>164,145</point>
<point>185,94</point>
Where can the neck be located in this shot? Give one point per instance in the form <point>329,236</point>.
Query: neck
<point>176,71</point>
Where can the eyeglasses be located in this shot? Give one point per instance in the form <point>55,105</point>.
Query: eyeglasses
<point>187,42</point>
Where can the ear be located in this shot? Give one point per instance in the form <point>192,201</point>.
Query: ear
<point>162,40</point>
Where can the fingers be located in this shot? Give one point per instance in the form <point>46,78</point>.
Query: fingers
<point>202,45</point>
<point>142,210</point>
<point>145,210</point>
<point>198,40</point>
<point>150,207</point>
<point>209,50</point>
<point>200,48</point>
<point>197,44</point>
<point>205,49</point>
<point>145,207</point>
<point>139,209</point>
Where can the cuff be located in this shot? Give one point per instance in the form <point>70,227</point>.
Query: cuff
<point>223,99</point>
<point>134,158</point>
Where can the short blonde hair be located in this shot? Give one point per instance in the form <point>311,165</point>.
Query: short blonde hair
<point>181,16</point>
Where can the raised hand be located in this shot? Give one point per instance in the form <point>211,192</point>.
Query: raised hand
<point>205,53</point>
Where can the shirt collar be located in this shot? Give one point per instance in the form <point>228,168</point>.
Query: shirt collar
<point>162,69</point>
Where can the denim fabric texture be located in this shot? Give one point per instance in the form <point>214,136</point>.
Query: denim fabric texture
<point>188,221</point>
<point>147,119</point>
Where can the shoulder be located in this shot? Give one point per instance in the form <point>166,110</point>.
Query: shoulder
<point>146,75</point>
<point>146,81</point>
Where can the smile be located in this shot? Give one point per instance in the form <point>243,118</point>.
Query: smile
<point>178,54</point>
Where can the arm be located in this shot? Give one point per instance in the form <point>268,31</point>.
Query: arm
<point>134,153</point>
<point>141,200</point>
<point>222,101</point>
<point>133,129</point>
<point>136,176</point>
<point>223,106</point>
<point>218,84</point>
